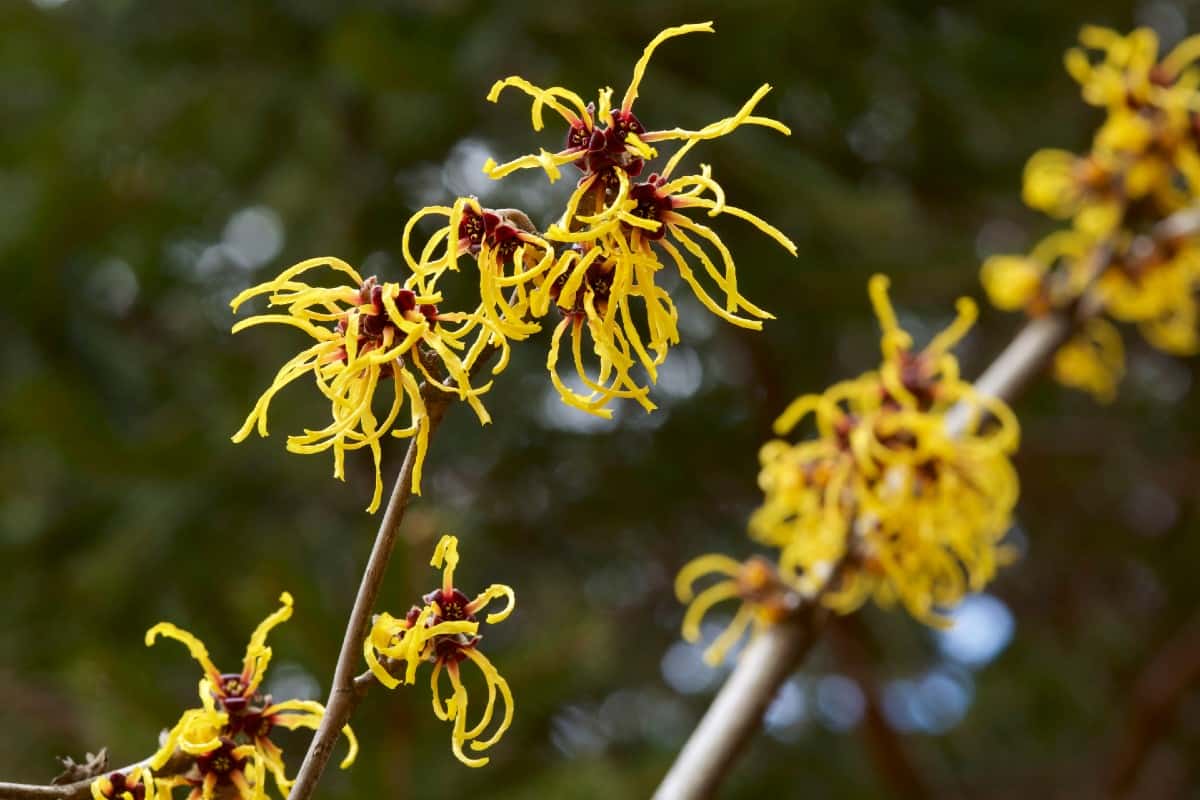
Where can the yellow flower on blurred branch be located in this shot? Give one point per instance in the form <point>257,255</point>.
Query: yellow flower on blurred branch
<point>443,630</point>
<point>915,510</point>
<point>765,598</point>
<point>1143,167</point>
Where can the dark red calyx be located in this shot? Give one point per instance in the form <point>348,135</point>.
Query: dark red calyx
<point>220,762</point>
<point>623,124</point>
<point>652,204</point>
<point>471,229</point>
<point>452,649</point>
<point>842,429</point>
<point>453,605</point>
<point>506,239</point>
<point>916,378</point>
<point>230,684</point>
<point>599,280</point>
<point>120,785</point>
<point>406,300</point>
<point>578,136</point>
<point>254,725</point>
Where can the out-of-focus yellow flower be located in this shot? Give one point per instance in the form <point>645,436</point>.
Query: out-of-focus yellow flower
<point>365,334</point>
<point>917,510</point>
<point>604,137</point>
<point>1093,360</point>
<point>444,630</point>
<point>234,723</point>
<point>137,785</point>
<point>1064,185</point>
<point>1159,294</point>
<point>1129,74</point>
<point>1056,272</point>
<point>765,598</point>
<point>1143,167</point>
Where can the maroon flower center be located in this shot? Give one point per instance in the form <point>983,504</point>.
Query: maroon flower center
<point>120,784</point>
<point>220,762</point>
<point>604,147</point>
<point>488,228</point>
<point>373,319</point>
<point>451,607</point>
<point>652,204</point>
<point>598,282</point>
<point>255,725</point>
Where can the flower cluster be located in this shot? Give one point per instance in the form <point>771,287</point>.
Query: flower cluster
<point>903,495</point>
<point>765,598</point>
<point>444,630</point>
<point>620,229</point>
<point>597,266</point>
<point>228,738</point>
<point>365,335</point>
<point>1143,166</point>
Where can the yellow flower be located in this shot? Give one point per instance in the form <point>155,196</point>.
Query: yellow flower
<point>1159,294</point>
<point>603,283</point>
<point>1093,360</point>
<point>226,770</point>
<point>595,294</point>
<point>1054,274</point>
<point>1129,75</point>
<point>646,214</point>
<point>604,137</point>
<point>444,630</point>
<point>766,598</point>
<point>137,785</point>
<point>511,259</point>
<point>1064,185</point>
<point>365,334</point>
<point>917,511</point>
<point>233,725</point>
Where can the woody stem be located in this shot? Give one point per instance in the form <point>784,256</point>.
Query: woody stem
<point>343,697</point>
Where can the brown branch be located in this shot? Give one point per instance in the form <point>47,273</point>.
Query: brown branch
<point>888,754</point>
<point>738,708</point>
<point>1166,679</point>
<point>346,692</point>
<point>82,789</point>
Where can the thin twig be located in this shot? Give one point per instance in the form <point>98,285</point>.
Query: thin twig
<point>82,789</point>
<point>344,694</point>
<point>1171,673</point>
<point>895,767</point>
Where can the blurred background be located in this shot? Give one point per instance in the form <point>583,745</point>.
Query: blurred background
<point>155,158</point>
